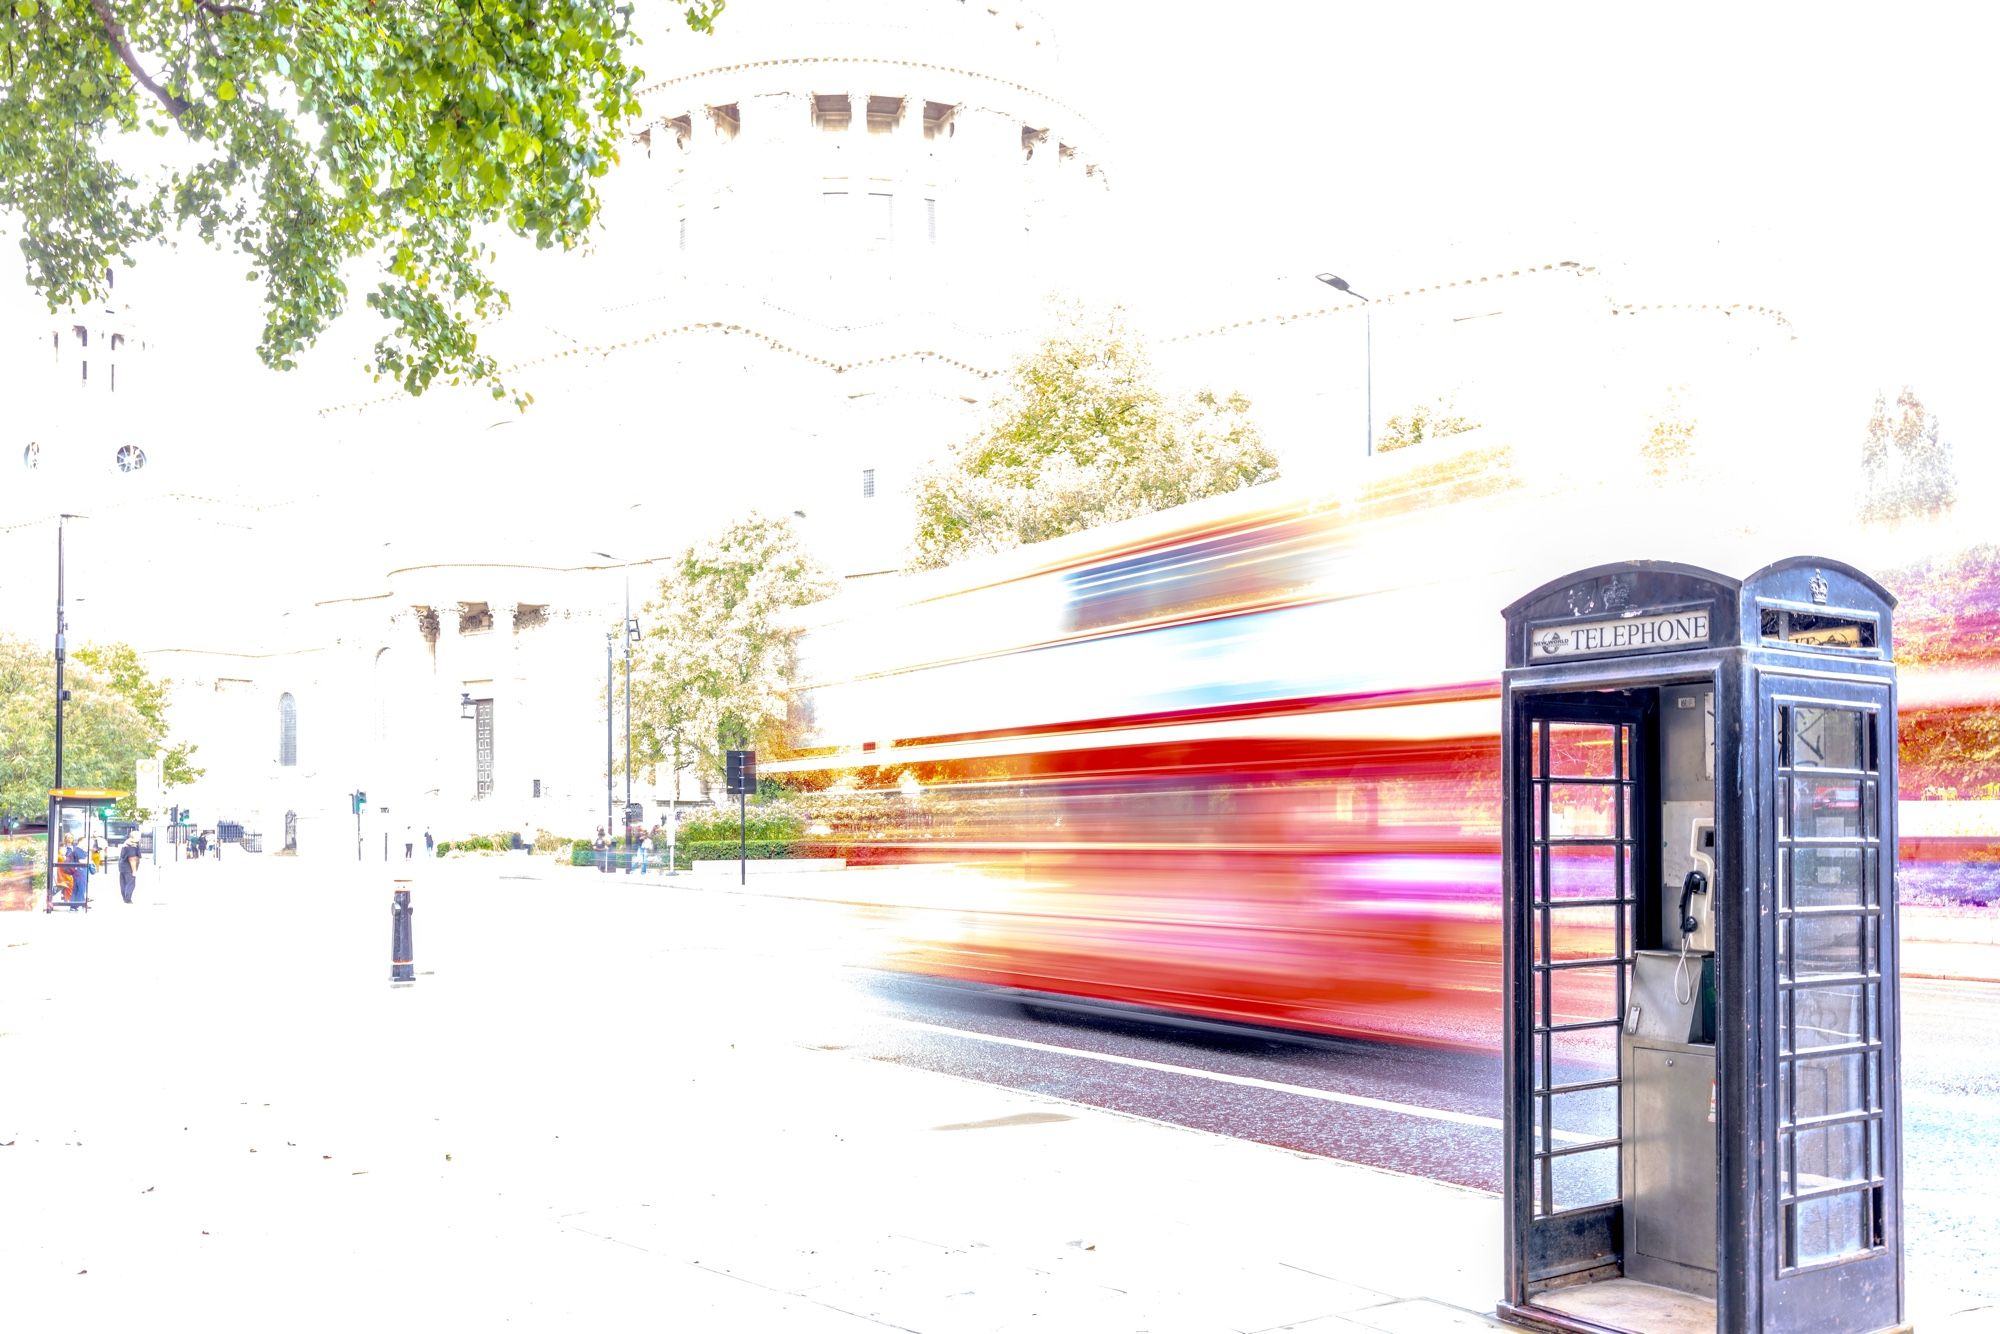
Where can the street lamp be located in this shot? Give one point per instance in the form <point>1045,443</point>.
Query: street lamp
<point>467,710</point>
<point>1339,284</point>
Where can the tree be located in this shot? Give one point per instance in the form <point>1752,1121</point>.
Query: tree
<point>1906,467</point>
<point>720,655</point>
<point>1425,421</point>
<point>120,666</point>
<point>309,135</point>
<point>115,717</point>
<point>1081,437</point>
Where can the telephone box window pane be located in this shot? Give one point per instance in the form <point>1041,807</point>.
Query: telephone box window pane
<point>1826,808</point>
<point>1826,877</point>
<point>1582,995</point>
<point>1585,1115</point>
<point>1582,750</point>
<point>1828,945</point>
<point>1584,1178</point>
<point>1583,872</point>
<point>1583,933</point>
<point>1580,811</point>
<point>1829,1016</point>
<point>1541,1065</point>
<point>1827,739</point>
<point>1829,1228</point>
<point>1828,1086</point>
<point>1831,1156</point>
<point>1585,1055</point>
<point>1541,730</point>
<point>1784,1022</point>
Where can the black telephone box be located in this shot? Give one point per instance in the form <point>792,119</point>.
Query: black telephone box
<point>1703,1121</point>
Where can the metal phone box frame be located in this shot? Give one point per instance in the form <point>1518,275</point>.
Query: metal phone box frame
<point>1607,1064</point>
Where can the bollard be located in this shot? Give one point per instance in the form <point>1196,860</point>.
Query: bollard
<point>402,950</point>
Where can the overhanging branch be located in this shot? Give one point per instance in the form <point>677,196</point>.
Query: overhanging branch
<point>114,32</point>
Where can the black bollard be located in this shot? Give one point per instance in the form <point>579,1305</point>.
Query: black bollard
<point>402,951</point>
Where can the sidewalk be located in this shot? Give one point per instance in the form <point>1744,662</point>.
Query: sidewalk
<point>213,1106</point>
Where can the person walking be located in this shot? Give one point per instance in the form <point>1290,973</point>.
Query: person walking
<point>645,852</point>
<point>603,851</point>
<point>128,867</point>
<point>430,845</point>
<point>409,842</point>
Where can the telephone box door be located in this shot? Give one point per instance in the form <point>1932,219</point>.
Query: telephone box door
<point>1831,1181</point>
<point>1581,813</point>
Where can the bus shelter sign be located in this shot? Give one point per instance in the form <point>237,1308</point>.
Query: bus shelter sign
<point>1631,633</point>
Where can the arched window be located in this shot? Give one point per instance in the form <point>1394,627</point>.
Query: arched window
<point>288,730</point>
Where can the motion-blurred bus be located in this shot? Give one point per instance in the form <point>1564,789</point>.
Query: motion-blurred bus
<point>1235,762</point>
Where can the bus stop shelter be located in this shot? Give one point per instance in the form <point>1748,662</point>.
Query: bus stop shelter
<point>78,819</point>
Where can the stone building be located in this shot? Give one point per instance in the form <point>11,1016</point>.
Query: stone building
<point>831,234</point>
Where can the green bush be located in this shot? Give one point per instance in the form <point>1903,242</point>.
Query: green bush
<point>762,824</point>
<point>443,848</point>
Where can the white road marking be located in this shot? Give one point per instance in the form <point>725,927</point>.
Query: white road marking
<point>1244,1081</point>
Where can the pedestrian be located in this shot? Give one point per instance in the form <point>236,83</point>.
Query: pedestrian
<point>602,850</point>
<point>409,842</point>
<point>79,879</point>
<point>128,867</point>
<point>645,851</point>
<point>430,845</point>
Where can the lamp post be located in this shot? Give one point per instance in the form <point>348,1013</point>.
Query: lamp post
<point>1339,283</point>
<point>610,708</point>
<point>631,634</point>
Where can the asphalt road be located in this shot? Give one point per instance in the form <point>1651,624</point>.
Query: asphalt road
<point>1428,1112</point>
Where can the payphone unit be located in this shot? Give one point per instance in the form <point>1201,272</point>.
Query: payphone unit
<point>1703,1120</point>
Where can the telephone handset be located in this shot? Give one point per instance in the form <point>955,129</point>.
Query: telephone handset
<point>1697,924</point>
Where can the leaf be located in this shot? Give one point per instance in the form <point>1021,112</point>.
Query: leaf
<point>225,91</point>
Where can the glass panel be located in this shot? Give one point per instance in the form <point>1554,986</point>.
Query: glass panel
<point>1584,1116</point>
<point>1581,750</point>
<point>1831,1156</point>
<point>1585,1178</point>
<point>1830,1228</point>
<point>1583,994</point>
<point>1541,1062</point>
<point>1825,877</point>
<point>1824,945</point>
<point>1580,811</point>
<point>1583,1056</point>
<point>1828,1016</point>
<point>1784,1022</point>
<point>1829,1086</point>
<point>1584,872</point>
<point>1826,739</point>
<point>1582,933</point>
<point>1536,793</point>
<point>1826,808</point>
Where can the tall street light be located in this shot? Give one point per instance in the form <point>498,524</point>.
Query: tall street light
<point>62,646</point>
<point>610,707</point>
<point>631,634</point>
<point>1368,331</point>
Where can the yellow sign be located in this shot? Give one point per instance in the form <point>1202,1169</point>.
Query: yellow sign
<point>89,793</point>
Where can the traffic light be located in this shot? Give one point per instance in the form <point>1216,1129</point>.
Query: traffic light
<point>741,772</point>
<point>360,799</point>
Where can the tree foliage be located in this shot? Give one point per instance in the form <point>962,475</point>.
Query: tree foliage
<point>1082,436</point>
<point>308,135</point>
<point>115,717</point>
<point>1906,467</point>
<point>1425,421</point>
<point>720,654</point>
<point>1948,620</point>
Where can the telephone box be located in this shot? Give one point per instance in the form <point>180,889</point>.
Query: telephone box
<point>1702,1048</point>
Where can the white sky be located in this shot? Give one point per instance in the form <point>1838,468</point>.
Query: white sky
<point>1832,161</point>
